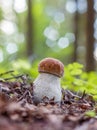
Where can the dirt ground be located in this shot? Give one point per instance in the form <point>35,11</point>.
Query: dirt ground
<point>18,111</point>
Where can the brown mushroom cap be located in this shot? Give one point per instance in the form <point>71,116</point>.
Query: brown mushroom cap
<point>51,66</point>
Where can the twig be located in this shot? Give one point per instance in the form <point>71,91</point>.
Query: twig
<point>14,77</point>
<point>11,71</point>
<point>72,95</point>
<point>25,93</point>
<point>83,95</point>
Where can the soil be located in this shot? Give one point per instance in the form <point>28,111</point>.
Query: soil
<point>18,111</point>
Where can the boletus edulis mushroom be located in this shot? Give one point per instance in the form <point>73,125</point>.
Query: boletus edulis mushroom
<point>47,84</point>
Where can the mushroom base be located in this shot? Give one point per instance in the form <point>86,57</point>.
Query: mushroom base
<point>47,85</point>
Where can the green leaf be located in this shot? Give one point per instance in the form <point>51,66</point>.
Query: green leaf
<point>76,72</point>
<point>90,113</point>
<point>78,82</point>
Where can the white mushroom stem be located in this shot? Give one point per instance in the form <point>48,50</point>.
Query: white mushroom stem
<point>47,85</point>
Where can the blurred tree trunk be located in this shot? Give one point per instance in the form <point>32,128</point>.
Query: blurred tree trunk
<point>30,34</point>
<point>90,62</point>
<point>76,23</point>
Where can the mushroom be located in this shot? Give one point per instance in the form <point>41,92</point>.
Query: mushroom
<point>47,84</point>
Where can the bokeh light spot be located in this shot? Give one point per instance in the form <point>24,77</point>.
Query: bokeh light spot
<point>63,42</point>
<point>11,48</point>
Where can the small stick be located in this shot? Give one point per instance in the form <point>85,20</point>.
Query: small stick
<point>83,95</point>
<point>23,96</point>
<point>14,77</point>
<point>11,71</point>
<point>73,95</point>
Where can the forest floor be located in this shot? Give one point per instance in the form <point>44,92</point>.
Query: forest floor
<point>17,110</point>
